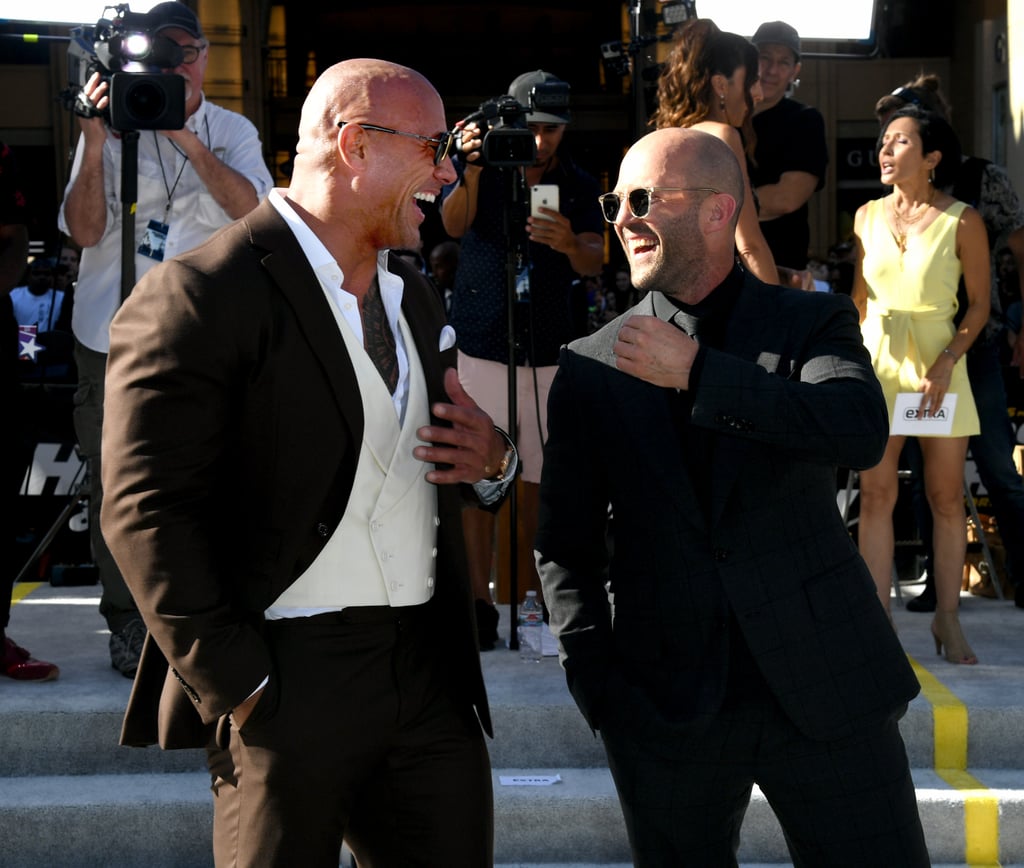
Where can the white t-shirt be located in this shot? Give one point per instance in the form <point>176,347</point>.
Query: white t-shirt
<point>42,311</point>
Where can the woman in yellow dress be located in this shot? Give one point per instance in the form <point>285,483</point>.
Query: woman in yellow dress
<point>913,246</point>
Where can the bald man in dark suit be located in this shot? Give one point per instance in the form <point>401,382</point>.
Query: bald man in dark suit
<point>722,630</point>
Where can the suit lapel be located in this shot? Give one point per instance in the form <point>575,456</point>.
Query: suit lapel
<point>286,265</point>
<point>647,421</point>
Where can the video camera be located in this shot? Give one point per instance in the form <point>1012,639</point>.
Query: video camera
<point>507,141</point>
<point>124,52</point>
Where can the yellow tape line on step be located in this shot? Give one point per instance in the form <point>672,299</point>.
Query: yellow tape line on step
<point>22,590</point>
<point>981,808</point>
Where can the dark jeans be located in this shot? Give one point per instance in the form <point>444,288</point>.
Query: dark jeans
<point>992,451</point>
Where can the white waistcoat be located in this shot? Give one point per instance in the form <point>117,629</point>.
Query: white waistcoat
<point>383,552</point>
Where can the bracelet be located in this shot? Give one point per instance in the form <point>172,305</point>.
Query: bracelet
<point>949,352</point>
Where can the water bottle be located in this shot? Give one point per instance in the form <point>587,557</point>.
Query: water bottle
<point>531,624</point>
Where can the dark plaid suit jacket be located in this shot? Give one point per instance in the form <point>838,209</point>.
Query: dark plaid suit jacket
<point>789,398</point>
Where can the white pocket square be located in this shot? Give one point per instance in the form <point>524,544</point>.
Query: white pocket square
<point>447,338</point>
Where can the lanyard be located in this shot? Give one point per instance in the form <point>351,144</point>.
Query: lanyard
<point>170,188</point>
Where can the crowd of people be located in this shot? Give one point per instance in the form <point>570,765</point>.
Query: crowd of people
<point>295,358</point>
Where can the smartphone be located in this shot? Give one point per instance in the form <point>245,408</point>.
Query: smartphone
<point>543,196</point>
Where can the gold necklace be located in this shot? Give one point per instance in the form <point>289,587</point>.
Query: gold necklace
<point>901,223</point>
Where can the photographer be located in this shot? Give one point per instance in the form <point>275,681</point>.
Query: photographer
<point>551,250</point>
<point>191,181</point>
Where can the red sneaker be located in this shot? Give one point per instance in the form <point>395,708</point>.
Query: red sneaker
<point>18,664</point>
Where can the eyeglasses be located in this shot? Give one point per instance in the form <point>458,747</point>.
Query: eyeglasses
<point>190,53</point>
<point>640,200</point>
<point>443,143</point>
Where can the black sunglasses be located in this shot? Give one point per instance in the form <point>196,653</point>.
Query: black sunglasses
<point>640,200</point>
<point>908,94</point>
<point>443,142</point>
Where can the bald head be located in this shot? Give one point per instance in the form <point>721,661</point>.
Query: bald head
<point>366,160</point>
<point>363,89</point>
<point>682,157</point>
<point>685,243</point>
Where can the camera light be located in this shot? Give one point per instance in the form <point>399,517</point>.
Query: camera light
<point>136,46</point>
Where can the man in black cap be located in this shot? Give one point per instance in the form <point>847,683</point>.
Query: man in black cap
<point>791,152</point>
<point>554,248</point>
<point>190,182</point>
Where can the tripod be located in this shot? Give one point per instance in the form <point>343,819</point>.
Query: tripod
<point>78,494</point>
<point>516,258</point>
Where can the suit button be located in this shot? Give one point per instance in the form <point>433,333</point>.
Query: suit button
<point>720,555</point>
<point>322,529</point>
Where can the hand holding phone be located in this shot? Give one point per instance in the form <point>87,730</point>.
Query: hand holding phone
<point>543,196</point>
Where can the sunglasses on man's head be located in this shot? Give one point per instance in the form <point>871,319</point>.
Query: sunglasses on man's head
<point>443,143</point>
<point>640,200</point>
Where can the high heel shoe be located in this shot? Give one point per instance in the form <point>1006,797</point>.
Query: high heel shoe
<point>946,631</point>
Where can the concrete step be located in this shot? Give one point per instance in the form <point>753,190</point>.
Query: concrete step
<point>67,790</point>
<point>85,742</point>
<point>164,819</point>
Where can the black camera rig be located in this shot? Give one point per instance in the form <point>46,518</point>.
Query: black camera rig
<point>507,142</point>
<point>131,58</point>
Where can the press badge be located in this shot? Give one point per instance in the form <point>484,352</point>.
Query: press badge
<point>154,240</point>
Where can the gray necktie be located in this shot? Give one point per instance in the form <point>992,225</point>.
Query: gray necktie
<point>378,338</point>
<point>686,322</point>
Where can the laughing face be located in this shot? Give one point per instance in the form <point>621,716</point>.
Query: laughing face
<point>665,248</point>
<point>404,174</point>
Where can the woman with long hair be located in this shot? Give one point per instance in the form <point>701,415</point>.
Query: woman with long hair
<point>913,246</point>
<point>710,83</point>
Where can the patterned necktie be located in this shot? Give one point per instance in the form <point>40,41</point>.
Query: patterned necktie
<point>378,339</point>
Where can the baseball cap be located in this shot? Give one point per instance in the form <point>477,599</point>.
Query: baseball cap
<point>173,14</point>
<point>523,86</point>
<point>779,33</point>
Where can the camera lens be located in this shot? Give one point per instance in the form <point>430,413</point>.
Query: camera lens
<point>145,101</point>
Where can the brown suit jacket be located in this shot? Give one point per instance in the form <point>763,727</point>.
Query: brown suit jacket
<point>232,429</point>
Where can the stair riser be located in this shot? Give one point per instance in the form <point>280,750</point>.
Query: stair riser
<point>531,827</point>
<point>50,743</point>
